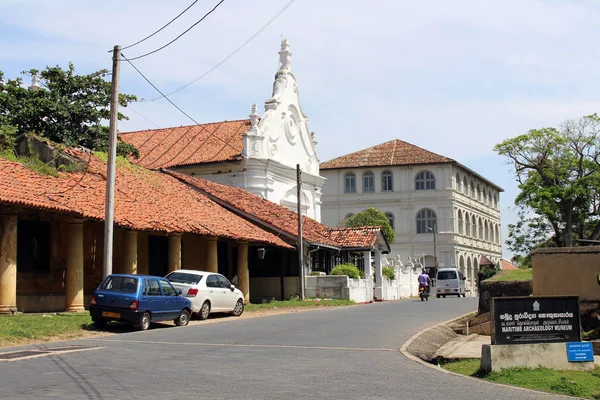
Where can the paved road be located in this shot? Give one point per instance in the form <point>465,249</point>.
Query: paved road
<point>343,353</point>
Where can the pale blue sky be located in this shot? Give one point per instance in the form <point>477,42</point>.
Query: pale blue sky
<point>455,77</point>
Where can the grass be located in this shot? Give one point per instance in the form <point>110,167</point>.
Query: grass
<point>571,383</point>
<point>521,274</point>
<point>20,328</point>
<point>298,303</point>
<point>32,163</point>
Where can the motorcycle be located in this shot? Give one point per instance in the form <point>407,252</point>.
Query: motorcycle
<point>424,293</point>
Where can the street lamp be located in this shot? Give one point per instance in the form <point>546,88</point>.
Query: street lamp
<point>433,228</point>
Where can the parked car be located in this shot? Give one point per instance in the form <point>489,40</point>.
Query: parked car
<point>138,299</point>
<point>209,292</point>
<point>450,282</point>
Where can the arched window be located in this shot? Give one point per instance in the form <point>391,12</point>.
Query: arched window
<point>457,182</point>
<point>387,181</point>
<point>480,229</point>
<point>350,183</point>
<point>497,235</point>
<point>460,222</point>
<point>492,237</point>
<point>472,189</point>
<point>425,180</point>
<point>479,192</point>
<point>474,223</point>
<point>487,232</point>
<point>467,225</point>
<point>368,182</point>
<point>390,218</point>
<point>426,221</point>
<point>465,187</point>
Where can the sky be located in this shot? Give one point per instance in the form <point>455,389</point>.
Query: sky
<point>454,77</point>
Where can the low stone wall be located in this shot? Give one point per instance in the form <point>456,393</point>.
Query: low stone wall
<point>330,286</point>
<point>491,289</point>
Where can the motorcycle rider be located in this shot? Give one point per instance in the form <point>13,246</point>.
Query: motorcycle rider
<point>424,281</point>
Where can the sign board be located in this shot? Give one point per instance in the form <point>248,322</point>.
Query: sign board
<point>521,320</point>
<point>580,352</point>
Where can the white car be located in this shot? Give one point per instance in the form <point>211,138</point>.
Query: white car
<point>208,291</point>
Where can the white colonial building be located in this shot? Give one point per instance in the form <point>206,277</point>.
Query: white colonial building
<point>258,154</point>
<point>433,203</point>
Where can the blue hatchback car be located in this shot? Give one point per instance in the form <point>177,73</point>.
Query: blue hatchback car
<point>139,299</point>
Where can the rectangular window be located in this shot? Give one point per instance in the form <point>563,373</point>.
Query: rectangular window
<point>120,284</point>
<point>368,184</point>
<point>33,246</point>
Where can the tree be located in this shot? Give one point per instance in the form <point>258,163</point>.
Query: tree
<point>558,172</point>
<point>373,217</point>
<point>67,109</point>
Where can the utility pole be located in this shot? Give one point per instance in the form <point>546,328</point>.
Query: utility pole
<point>111,164</point>
<point>300,258</point>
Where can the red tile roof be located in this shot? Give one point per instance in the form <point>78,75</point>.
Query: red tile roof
<point>485,261</point>
<point>394,152</point>
<point>359,237</point>
<point>508,265</point>
<point>186,145</point>
<point>273,214</point>
<point>144,200</point>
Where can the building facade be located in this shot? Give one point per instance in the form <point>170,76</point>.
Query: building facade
<point>435,205</point>
<point>259,154</point>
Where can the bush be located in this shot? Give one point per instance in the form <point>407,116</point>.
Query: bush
<point>389,273</point>
<point>346,269</point>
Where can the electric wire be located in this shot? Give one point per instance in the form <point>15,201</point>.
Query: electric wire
<point>223,61</point>
<point>184,32</point>
<point>164,26</point>
<point>211,134</point>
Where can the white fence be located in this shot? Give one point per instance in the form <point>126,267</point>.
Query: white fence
<point>361,290</point>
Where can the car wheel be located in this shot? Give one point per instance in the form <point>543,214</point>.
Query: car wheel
<point>204,311</point>
<point>239,308</point>
<point>144,322</point>
<point>444,296</point>
<point>100,323</point>
<point>437,295</point>
<point>183,319</point>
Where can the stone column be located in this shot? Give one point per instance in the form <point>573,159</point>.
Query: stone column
<point>212,263</point>
<point>74,273</point>
<point>8,264</point>
<point>378,292</point>
<point>242,270</point>
<point>130,252</point>
<point>174,252</point>
<point>367,263</point>
<point>142,247</point>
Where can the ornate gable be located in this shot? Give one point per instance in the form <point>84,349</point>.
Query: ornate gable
<point>281,133</point>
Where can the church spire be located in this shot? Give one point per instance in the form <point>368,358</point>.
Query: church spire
<point>285,55</point>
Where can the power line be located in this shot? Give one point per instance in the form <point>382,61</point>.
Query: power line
<point>237,50</point>
<point>184,32</point>
<point>169,23</point>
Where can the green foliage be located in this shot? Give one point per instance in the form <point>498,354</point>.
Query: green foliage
<point>33,163</point>
<point>373,217</point>
<point>487,271</point>
<point>346,269</point>
<point>389,273</point>
<point>572,383</point>
<point>7,136</point>
<point>521,274</point>
<point>558,171</point>
<point>68,109</point>
<point>296,302</point>
<point>20,328</point>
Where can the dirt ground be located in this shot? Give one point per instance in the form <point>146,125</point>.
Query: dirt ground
<point>117,328</point>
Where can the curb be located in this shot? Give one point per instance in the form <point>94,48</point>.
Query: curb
<point>404,351</point>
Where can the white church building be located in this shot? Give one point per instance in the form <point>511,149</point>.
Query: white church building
<point>258,154</point>
<point>439,209</point>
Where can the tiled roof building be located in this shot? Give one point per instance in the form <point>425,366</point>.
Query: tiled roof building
<point>443,213</point>
<point>258,154</point>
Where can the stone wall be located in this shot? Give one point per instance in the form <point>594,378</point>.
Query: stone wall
<point>567,272</point>
<point>491,289</point>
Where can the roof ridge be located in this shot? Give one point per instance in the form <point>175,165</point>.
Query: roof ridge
<point>186,126</point>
